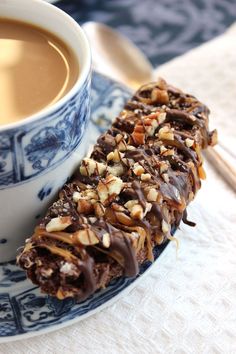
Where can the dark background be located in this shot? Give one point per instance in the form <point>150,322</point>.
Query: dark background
<point>163,29</point>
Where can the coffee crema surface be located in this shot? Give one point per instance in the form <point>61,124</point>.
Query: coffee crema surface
<point>36,70</point>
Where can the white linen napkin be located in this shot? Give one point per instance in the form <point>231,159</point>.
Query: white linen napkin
<point>186,304</point>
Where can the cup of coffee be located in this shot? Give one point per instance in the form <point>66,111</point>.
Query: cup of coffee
<point>45,72</point>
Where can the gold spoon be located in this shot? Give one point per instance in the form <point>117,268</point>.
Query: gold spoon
<point>117,57</point>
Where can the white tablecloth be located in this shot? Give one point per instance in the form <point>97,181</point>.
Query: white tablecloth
<point>187,303</point>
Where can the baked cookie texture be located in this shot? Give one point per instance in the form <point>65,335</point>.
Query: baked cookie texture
<point>125,198</point>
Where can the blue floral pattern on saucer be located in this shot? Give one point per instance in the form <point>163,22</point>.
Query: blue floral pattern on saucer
<point>24,310</point>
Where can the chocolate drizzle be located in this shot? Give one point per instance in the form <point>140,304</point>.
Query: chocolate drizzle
<point>125,198</point>
<point>138,190</point>
<point>86,266</point>
<point>186,221</point>
<point>121,244</point>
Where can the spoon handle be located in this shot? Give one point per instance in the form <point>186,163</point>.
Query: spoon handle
<point>222,165</point>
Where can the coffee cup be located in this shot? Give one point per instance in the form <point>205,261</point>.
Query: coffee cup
<point>39,151</point>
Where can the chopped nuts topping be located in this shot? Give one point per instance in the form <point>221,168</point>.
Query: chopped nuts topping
<point>145,177</point>
<point>87,237</point>
<point>161,83</point>
<point>137,212</point>
<point>124,219</point>
<point>123,113</point>
<point>110,156</point>
<point>90,166</point>
<point>116,170</point>
<point>109,188</point>
<point>68,268</point>
<point>166,177</point>
<point>99,210</point>
<point>115,156</point>
<point>160,96</point>
<point>129,205</point>
<point>165,133</point>
<point>189,142</point>
<point>76,197</point>
<point>148,208</point>
<point>152,195</point>
<point>213,138</point>
<point>119,138</point>
<point>131,147</point>
<point>163,167</point>
<point>192,117</point>
<point>85,200</point>
<point>59,223</point>
<point>106,240</point>
<point>150,124</point>
<point>117,207</point>
<point>138,169</point>
<point>138,134</point>
<point>91,194</point>
<point>163,149</point>
<point>121,144</point>
<point>46,273</point>
<point>161,118</point>
<point>84,206</point>
<point>92,219</point>
<point>38,262</point>
<point>169,152</point>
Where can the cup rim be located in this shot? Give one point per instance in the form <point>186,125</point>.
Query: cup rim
<point>83,74</point>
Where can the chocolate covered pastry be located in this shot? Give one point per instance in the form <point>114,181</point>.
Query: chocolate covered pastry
<point>125,198</point>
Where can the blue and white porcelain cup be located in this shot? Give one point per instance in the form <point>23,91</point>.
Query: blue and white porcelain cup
<point>38,153</point>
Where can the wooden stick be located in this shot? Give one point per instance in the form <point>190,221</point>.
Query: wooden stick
<point>223,166</point>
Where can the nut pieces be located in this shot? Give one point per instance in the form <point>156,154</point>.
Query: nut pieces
<point>106,240</point>
<point>165,133</point>
<point>109,188</point>
<point>152,195</point>
<point>189,142</point>
<point>159,96</point>
<point>59,223</point>
<point>87,237</point>
<point>90,166</point>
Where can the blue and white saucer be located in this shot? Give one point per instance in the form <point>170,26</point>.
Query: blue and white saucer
<point>24,311</point>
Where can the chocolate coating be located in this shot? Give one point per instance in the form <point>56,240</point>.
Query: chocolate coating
<point>125,198</point>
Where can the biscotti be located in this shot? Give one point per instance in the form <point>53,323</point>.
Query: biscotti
<point>125,198</point>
